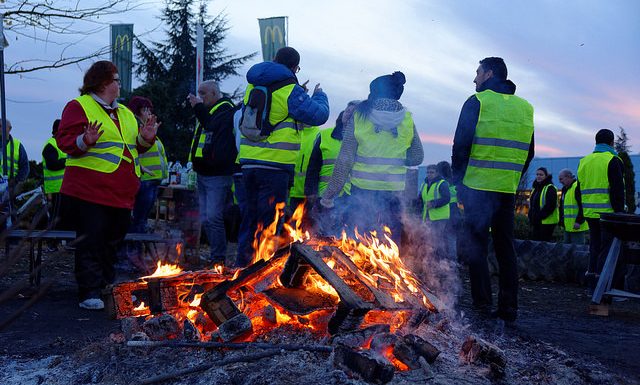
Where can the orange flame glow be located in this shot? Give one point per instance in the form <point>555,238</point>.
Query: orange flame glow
<point>163,270</point>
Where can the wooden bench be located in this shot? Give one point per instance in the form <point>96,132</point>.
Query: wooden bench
<point>35,253</point>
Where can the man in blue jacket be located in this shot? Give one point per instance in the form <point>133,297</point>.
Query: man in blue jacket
<point>268,165</point>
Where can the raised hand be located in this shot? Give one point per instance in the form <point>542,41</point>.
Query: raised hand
<point>149,129</point>
<point>92,133</point>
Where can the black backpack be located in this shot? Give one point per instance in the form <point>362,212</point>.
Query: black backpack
<point>254,123</point>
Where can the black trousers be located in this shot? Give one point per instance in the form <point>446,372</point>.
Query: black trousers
<point>99,229</point>
<point>540,232</point>
<point>600,241</point>
<point>492,213</point>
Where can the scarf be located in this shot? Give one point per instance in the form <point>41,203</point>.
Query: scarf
<point>603,147</point>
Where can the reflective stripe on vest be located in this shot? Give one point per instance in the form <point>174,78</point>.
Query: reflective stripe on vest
<point>330,149</point>
<point>380,159</point>
<point>13,153</point>
<point>554,217</point>
<point>154,160</point>
<point>430,194</point>
<point>570,210</point>
<point>281,148</point>
<point>309,136</point>
<point>105,156</point>
<point>202,134</point>
<point>52,179</point>
<point>501,143</point>
<point>594,184</point>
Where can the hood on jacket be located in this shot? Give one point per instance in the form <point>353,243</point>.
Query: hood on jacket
<point>268,72</point>
<point>386,115</point>
<point>500,86</point>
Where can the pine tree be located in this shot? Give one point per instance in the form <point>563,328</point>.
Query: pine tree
<point>167,69</point>
<point>623,148</point>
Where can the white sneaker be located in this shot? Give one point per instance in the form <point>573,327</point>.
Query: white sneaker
<point>92,304</point>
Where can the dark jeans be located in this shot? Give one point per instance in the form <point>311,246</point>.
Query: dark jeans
<point>484,210</point>
<point>213,194</point>
<point>264,188</point>
<point>600,241</point>
<point>540,232</point>
<point>99,229</point>
<point>244,234</point>
<point>370,210</point>
<point>145,199</point>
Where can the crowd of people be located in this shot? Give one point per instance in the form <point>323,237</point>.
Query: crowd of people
<point>104,163</point>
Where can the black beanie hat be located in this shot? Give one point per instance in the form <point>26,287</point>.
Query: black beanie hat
<point>387,86</point>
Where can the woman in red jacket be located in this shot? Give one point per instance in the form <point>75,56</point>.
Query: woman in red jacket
<point>101,179</point>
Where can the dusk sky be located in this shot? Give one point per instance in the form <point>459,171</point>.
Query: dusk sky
<point>575,61</point>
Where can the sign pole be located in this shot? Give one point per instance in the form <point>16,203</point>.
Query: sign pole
<point>3,104</point>
<point>199,55</point>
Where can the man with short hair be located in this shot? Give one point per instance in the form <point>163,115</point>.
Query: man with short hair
<point>268,165</point>
<point>601,184</point>
<point>570,209</point>
<point>492,148</point>
<point>213,153</point>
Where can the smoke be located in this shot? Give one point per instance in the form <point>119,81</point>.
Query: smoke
<point>430,254</point>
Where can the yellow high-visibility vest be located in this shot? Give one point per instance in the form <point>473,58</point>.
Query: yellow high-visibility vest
<point>381,157</point>
<point>53,178</point>
<point>501,143</point>
<point>281,148</point>
<point>155,161</point>
<point>430,194</point>
<point>105,156</point>
<point>201,134</point>
<point>594,184</point>
<point>570,210</point>
<point>309,136</point>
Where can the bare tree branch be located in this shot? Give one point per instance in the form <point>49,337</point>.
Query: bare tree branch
<point>55,21</point>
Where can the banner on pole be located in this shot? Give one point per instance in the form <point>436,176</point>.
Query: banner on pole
<point>273,35</point>
<point>122,53</point>
<point>199,55</point>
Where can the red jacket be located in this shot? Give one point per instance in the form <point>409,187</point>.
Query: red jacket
<point>117,189</point>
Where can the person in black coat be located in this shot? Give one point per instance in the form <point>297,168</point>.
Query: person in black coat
<point>543,210</point>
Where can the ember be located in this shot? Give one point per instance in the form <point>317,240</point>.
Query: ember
<point>322,285</point>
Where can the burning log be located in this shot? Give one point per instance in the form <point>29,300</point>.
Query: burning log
<point>369,365</point>
<point>190,332</point>
<point>410,349</point>
<point>347,295</point>
<point>161,328</point>
<point>236,327</point>
<point>346,319</point>
<point>475,349</point>
<point>359,338</point>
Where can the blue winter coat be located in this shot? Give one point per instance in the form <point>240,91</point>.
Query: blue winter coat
<point>310,110</point>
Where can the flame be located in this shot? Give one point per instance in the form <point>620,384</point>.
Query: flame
<point>387,353</point>
<point>141,307</point>
<point>381,266</point>
<point>192,313</point>
<point>179,248</point>
<point>218,268</point>
<point>167,270</point>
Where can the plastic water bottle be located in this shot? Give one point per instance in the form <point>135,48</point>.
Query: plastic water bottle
<point>191,177</point>
<point>172,173</point>
<point>179,172</point>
